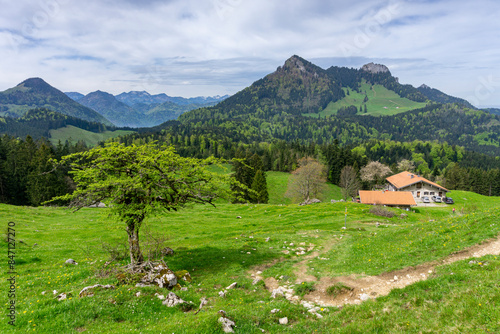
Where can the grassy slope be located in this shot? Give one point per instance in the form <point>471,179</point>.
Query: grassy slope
<point>381,101</point>
<point>213,245</point>
<point>75,134</point>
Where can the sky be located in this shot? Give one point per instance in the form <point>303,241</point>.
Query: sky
<point>216,47</point>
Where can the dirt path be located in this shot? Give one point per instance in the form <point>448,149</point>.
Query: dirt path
<point>367,287</point>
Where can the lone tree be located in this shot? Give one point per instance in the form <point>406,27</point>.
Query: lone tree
<point>349,182</point>
<point>137,181</point>
<point>308,180</point>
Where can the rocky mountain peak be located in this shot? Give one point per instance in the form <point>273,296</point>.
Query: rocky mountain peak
<point>375,68</point>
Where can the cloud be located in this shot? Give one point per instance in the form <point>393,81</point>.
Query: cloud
<point>194,47</point>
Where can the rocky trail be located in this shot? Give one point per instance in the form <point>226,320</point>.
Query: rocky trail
<point>358,289</point>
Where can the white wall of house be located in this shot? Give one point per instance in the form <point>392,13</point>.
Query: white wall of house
<point>421,189</point>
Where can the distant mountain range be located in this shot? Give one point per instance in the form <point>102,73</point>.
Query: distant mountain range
<point>133,109</point>
<point>141,109</point>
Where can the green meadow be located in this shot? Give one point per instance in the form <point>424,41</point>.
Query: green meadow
<point>221,245</point>
<point>381,102</point>
<point>74,134</point>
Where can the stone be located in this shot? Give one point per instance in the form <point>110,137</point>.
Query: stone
<point>238,217</point>
<point>276,310</point>
<point>256,281</point>
<point>232,286</point>
<point>267,239</point>
<point>138,294</point>
<point>277,292</point>
<point>88,290</point>
<point>172,300</point>
<point>71,261</point>
<point>283,321</point>
<point>61,297</point>
<point>364,297</point>
<point>222,294</point>
<point>227,325</point>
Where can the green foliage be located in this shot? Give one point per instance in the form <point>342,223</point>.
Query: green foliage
<point>137,181</point>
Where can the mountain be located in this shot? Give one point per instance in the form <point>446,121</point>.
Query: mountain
<point>275,108</point>
<point>135,97</point>
<point>36,93</point>
<point>117,112</point>
<point>438,96</point>
<point>75,96</point>
<point>495,111</point>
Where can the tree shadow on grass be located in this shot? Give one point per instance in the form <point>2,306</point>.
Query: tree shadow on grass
<point>214,260</point>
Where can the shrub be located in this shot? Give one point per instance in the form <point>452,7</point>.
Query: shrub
<point>381,211</point>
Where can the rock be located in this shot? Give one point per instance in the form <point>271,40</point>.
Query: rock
<point>283,321</point>
<point>227,325</point>
<point>256,281</point>
<point>161,297</point>
<point>375,68</point>
<point>232,286</point>
<point>184,288</point>
<point>238,217</point>
<point>54,292</point>
<point>267,239</point>
<point>364,297</point>
<point>222,294</point>
<point>277,292</point>
<point>172,300</point>
<point>71,261</point>
<point>310,201</point>
<point>286,252</point>
<point>138,294</point>
<point>167,251</point>
<point>141,285</point>
<point>61,297</point>
<point>403,215</point>
<point>276,310</point>
<point>88,290</point>
<point>43,292</point>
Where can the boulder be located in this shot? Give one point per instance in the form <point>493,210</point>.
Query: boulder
<point>227,325</point>
<point>172,300</point>
<point>71,261</point>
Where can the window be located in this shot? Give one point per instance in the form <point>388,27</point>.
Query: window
<point>432,193</point>
<point>426,193</point>
<point>419,185</point>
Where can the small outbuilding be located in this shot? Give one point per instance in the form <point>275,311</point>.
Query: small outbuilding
<point>387,198</point>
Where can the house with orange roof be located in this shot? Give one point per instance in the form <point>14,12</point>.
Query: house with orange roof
<point>415,184</point>
<point>403,199</point>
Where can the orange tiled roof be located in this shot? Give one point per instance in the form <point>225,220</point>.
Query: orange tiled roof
<point>405,179</point>
<point>386,197</point>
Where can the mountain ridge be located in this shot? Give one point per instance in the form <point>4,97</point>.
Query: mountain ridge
<point>36,93</point>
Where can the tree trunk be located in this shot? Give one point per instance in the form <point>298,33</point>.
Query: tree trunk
<point>134,248</point>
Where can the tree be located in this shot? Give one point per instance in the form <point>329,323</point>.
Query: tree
<point>374,172</point>
<point>137,181</point>
<point>349,182</point>
<point>308,180</point>
<point>406,165</point>
<point>259,186</point>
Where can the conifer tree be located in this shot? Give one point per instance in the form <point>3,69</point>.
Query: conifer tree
<point>259,185</point>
